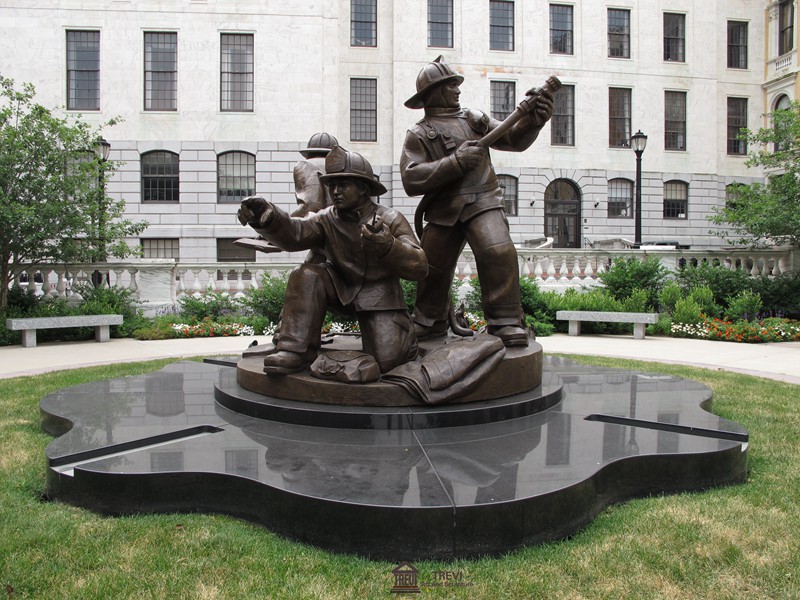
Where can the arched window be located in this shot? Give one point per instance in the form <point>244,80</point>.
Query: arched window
<point>236,176</point>
<point>160,177</point>
<point>620,198</point>
<point>562,213</point>
<point>731,195</point>
<point>508,184</point>
<point>676,199</point>
<point>783,103</point>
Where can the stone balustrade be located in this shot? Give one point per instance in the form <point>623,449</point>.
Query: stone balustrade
<point>157,284</point>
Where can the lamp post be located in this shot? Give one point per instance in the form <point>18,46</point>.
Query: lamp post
<point>638,143</point>
<point>102,149</point>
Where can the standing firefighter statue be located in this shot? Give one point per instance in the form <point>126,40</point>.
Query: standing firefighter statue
<point>446,159</point>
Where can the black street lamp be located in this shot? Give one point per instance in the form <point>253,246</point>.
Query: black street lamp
<point>102,150</point>
<point>638,143</point>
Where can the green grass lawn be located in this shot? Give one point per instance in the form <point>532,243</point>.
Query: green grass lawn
<point>741,541</point>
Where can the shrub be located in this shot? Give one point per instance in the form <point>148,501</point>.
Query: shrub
<point>531,297</point>
<point>21,301</point>
<point>668,296</point>
<point>103,300</point>
<point>212,305</point>
<point>636,302</point>
<point>780,294</point>
<point>158,330</point>
<point>267,300</point>
<point>687,311</point>
<point>261,325</point>
<point>661,327</point>
<point>744,306</point>
<point>628,274</point>
<point>724,283</point>
<point>409,293</point>
<point>540,328</point>
<point>704,296</point>
<point>596,299</point>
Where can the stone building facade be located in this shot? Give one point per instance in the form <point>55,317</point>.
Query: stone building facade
<point>217,97</point>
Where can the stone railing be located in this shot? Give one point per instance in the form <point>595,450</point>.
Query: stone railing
<point>779,63</point>
<point>157,284</point>
<point>561,268</point>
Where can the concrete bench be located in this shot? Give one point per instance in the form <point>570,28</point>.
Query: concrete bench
<point>639,320</point>
<point>28,327</point>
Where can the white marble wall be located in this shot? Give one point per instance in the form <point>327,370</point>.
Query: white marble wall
<point>303,65</point>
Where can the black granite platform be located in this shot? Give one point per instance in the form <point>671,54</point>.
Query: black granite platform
<point>401,488</point>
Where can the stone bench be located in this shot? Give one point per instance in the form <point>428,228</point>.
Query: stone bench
<point>29,326</point>
<point>639,320</point>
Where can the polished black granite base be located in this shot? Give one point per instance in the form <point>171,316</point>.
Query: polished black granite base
<point>401,489</point>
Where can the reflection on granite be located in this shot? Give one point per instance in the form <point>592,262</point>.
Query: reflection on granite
<point>160,442</point>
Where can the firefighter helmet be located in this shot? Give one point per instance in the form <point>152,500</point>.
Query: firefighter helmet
<point>433,74</point>
<point>341,163</point>
<point>320,144</point>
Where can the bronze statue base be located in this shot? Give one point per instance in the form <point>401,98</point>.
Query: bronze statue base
<point>520,371</point>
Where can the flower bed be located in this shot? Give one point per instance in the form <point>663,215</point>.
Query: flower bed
<point>750,332</point>
<point>208,328</point>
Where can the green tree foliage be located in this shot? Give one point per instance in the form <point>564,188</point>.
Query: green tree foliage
<point>763,214</point>
<point>52,206</point>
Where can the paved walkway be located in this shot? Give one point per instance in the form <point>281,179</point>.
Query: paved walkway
<point>775,361</point>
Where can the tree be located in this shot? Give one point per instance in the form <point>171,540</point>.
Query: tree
<point>764,214</point>
<point>53,204</point>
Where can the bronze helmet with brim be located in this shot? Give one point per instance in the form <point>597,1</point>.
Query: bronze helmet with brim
<point>341,163</point>
<point>319,145</point>
<point>433,74</point>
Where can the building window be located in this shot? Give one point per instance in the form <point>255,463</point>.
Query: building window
<point>503,98</point>
<point>160,248</point>
<point>732,195</point>
<point>619,33</point>
<point>227,251</point>
<point>236,176</point>
<point>737,120</point>
<point>561,29</point>
<point>619,118</point>
<point>676,199</point>
<point>783,103</point>
<point>674,37</point>
<point>363,110</point>
<point>161,71</point>
<point>236,72</point>
<point>501,26</point>
<point>737,45</point>
<point>562,124</point>
<point>508,184</point>
<point>620,199</point>
<point>675,120</point>
<point>364,23</point>
<point>785,26</point>
<point>83,70</point>
<point>160,177</point>
<point>440,23</point>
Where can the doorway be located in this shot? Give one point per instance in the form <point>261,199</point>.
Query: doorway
<point>562,213</point>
